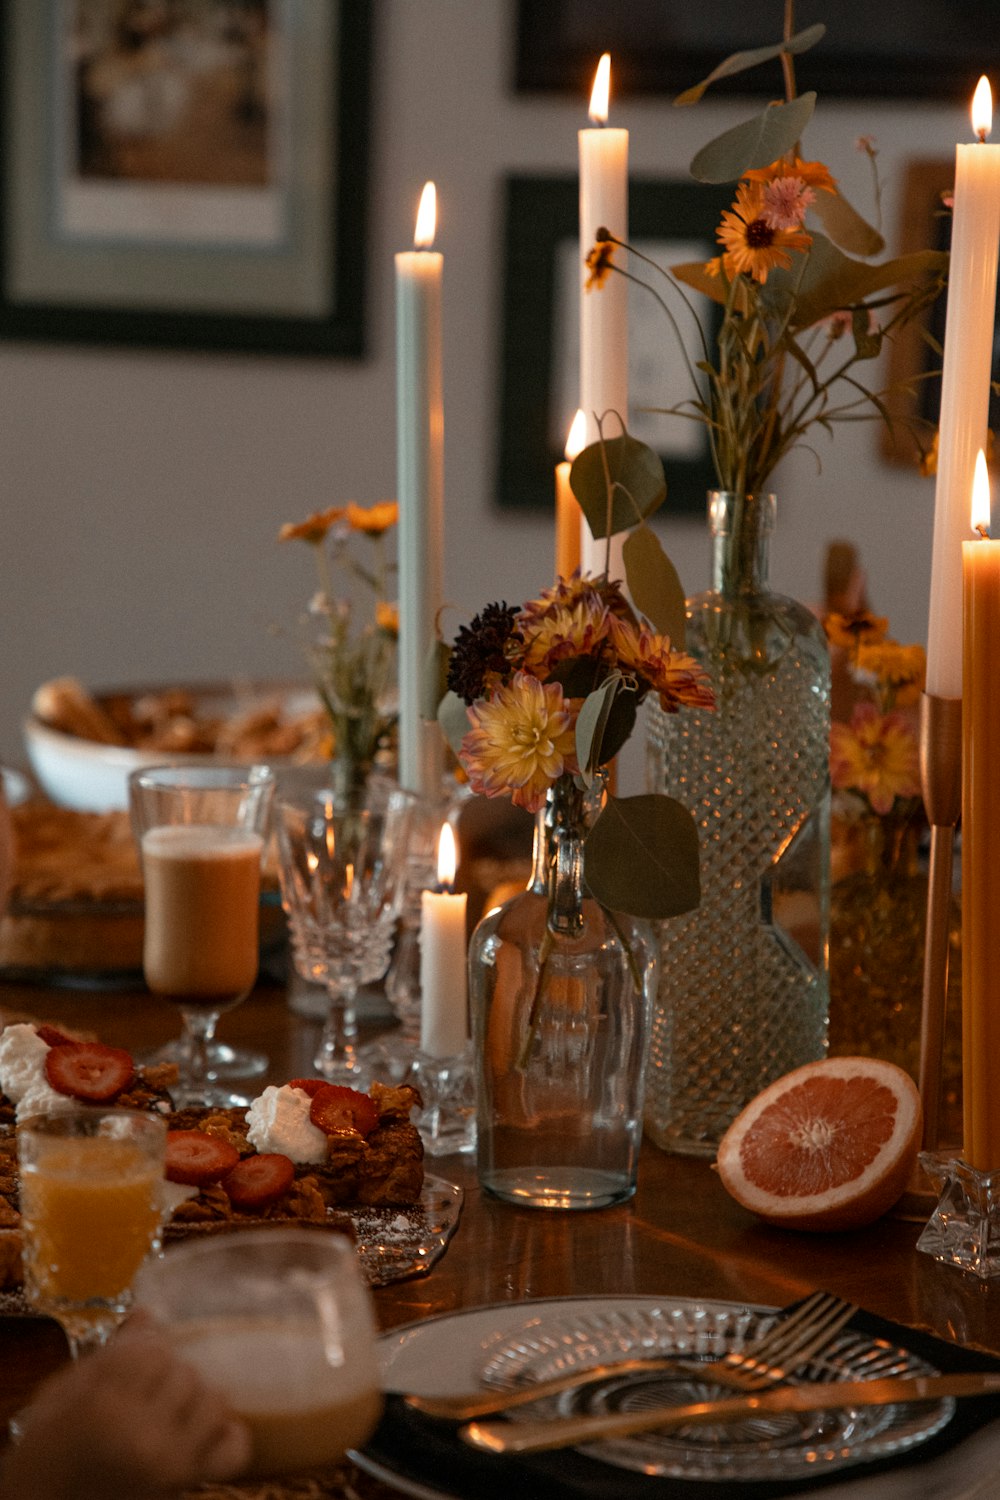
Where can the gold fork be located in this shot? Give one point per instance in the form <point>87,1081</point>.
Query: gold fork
<point>789,1343</point>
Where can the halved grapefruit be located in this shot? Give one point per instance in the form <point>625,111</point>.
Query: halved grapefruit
<point>829,1146</point>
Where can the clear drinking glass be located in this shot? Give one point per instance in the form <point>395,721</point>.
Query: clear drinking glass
<point>201,833</point>
<point>280,1321</point>
<point>91,1207</point>
<point>343,876</point>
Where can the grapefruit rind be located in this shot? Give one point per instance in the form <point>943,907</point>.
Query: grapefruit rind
<point>853,1203</point>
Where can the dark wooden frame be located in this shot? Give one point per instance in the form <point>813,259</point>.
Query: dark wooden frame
<point>559,42</point>
<point>338,329</point>
<point>539,213</point>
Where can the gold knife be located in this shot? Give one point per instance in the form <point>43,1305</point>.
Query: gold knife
<point>565,1432</point>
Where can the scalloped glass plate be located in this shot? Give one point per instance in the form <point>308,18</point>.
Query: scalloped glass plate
<point>785,1446</point>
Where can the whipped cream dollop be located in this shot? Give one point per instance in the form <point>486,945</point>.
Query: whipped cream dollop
<point>278,1120</point>
<point>22,1073</point>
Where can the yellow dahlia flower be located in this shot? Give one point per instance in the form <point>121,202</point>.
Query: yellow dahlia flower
<point>876,755</point>
<point>522,739</point>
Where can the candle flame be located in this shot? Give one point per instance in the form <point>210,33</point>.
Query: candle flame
<point>447,857</point>
<point>577,436</point>
<point>423,238</point>
<point>982,108</point>
<point>600,93</point>
<point>981,496</point>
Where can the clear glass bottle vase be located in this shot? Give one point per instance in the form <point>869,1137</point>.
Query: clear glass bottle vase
<point>744,993</point>
<point>561,994</point>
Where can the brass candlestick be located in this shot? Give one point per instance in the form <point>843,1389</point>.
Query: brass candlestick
<point>941,779</point>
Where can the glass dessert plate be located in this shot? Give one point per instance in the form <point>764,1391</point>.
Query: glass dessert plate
<point>785,1446</point>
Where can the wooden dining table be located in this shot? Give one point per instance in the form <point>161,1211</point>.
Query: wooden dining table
<point>681,1235</point>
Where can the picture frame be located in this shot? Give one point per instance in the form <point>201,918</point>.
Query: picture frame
<point>203,189</point>
<point>913,380</point>
<point>674,221</point>
<point>665,46</point>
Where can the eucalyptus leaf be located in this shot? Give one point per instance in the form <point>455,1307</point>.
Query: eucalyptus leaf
<point>845,226</point>
<point>830,280</point>
<point>653,583</point>
<point>590,723</point>
<point>434,683</point>
<point>739,62</point>
<point>620,723</point>
<point>636,477</point>
<point>867,343</point>
<point>453,717</point>
<point>578,676</point>
<point>755,143</point>
<point>641,857</point>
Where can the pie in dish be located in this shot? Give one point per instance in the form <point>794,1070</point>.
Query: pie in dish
<point>301,1153</point>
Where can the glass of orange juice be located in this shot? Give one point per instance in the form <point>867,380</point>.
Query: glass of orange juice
<point>201,834</point>
<point>91,1208</point>
<point>281,1321</point>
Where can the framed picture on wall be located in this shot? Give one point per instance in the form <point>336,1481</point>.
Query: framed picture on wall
<point>671,222</point>
<point>922,50</point>
<point>185,175</point>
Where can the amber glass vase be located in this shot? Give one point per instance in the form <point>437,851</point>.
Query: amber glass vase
<point>878,921</point>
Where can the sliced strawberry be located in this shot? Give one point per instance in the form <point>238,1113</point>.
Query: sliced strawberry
<point>88,1070</point>
<point>52,1036</point>
<point>258,1180</point>
<point>336,1107</point>
<point>196,1159</point>
<point>310,1086</point>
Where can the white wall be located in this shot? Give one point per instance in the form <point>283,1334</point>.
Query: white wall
<point>141,493</point>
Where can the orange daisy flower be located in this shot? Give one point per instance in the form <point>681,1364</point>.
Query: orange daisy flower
<point>751,244</point>
<point>314,528</point>
<point>373,519</point>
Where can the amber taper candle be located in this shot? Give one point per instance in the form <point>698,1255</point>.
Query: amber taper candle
<point>980,829</point>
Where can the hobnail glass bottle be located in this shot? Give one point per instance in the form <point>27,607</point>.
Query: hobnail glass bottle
<point>561,994</point>
<point>744,994</point>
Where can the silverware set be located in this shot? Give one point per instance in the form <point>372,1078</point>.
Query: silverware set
<point>758,1372</point>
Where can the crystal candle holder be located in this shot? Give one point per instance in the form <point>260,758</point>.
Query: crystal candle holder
<point>964,1229</point>
<point>447,1088</point>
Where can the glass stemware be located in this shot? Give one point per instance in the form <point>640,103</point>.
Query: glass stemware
<point>343,873</point>
<point>91,1207</point>
<point>281,1322</point>
<point>201,834</point>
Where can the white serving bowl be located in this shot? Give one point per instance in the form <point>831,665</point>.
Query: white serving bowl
<point>92,777</point>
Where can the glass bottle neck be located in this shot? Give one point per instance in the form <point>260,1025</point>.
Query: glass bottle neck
<point>557,865</point>
<point>741,527</point>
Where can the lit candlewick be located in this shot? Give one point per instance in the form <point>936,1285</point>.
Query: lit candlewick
<point>980,820</point>
<point>603,156</point>
<point>569,517</point>
<point>420,490</point>
<point>443,982</point>
<point>965,385</point>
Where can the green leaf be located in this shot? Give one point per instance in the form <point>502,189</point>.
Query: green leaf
<point>636,477</point>
<point>693,274</point>
<point>453,717</point>
<point>590,724</point>
<point>578,676</point>
<point>755,143</point>
<point>868,344</point>
<point>620,724</point>
<point>654,585</point>
<point>641,857</point>
<point>739,62</point>
<point>434,683</point>
<point>831,280</point>
<point>845,226</point>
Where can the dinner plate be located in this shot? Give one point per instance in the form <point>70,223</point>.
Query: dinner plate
<point>508,1344</point>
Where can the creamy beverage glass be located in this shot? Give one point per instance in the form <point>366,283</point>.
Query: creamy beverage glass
<point>201,835</point>
<point>281,1322</point>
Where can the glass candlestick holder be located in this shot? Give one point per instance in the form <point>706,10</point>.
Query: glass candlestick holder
<point>964,1229</point>
<point>447,1087</point>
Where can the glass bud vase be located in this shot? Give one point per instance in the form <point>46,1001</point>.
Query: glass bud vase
<point>744,993</point>
<point>561,994</point>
